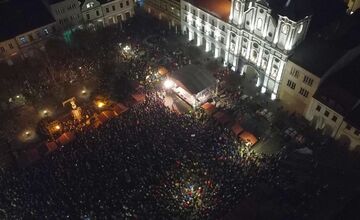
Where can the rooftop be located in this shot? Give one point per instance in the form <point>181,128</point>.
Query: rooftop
<point>340,91</point>
<point>321,50</point>
<point>293,9</point>
<point>354,117</point>
<point>194,78</point>
<point>21,16</point>
<point>218,8</point>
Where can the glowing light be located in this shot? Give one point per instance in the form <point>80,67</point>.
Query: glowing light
<point>100,104</point>
<point>126,48</point>
<point>273,96</point>
<point>83,92</point>
<point>57,127</point>
<point>18,96</point>
<point>27,133</point>
<point>168,84</point>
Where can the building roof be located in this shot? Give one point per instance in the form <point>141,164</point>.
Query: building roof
<point>321,50</point>
<point>293,9</point>
<point>100,1</point>
<point>316,55</point>
<point>340,91</point>
<point>218,8</point>
<point>21,16</point>
<point>194,78</point>
<point>354,117</point>
<point>54,1</point>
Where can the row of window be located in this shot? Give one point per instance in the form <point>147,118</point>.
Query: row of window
<point>302,91</point>
<point>107,10</point>
<point>327,113</point>
<point>2,49</point>
<point>62,10</point>
<point>67,20</point>
<point>307,80</point>
<point>204,17</point>
<point>356,132</point>
<point>295,73</point>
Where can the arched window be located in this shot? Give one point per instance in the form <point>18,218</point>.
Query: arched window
<point>237,6</point>
<point>300,28</point>
<point>259,24</point>
<point>285,29</point>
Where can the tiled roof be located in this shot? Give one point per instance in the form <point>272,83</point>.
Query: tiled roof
<point>21,16</point>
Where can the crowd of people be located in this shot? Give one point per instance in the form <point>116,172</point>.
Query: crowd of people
<point>149,164</point>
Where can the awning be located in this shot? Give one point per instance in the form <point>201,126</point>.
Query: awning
<point>139,97</point>
<point>105,116</point>
<point>65,138</point>
<point>209,108</point>
<point>119,108</point>
<point>237,129</point>
<point>248,137</point>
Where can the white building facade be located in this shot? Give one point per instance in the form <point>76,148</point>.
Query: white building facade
<point>106,12</point>
<point>251,36</point>
<point>66,12</point>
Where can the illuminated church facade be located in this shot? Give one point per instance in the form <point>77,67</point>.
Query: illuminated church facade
<point>245,33</point>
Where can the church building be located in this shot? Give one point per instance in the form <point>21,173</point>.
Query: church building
<point>248,34</point>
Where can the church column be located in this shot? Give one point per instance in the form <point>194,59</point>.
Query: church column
<point>191,35</point>
<point>277,82</point>
<point>199,40</point>
<point>207,45</point>
<point>217,51</point>
<point>267,75</point>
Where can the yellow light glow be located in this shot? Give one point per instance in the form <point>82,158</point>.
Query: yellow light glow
<point>100,104</point>
<point>57,127</point>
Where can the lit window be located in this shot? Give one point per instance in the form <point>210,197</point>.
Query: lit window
<point>22,40</point>
<point>259,24</point>
<point>46,31</point>
<point>285,29</point>
<point>90,5</point>
<point>237,6</point>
